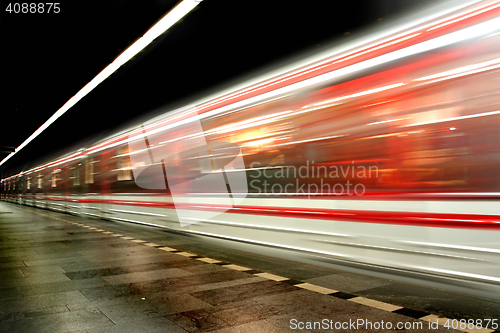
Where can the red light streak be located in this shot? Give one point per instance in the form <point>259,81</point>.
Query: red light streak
<point>478,11</point>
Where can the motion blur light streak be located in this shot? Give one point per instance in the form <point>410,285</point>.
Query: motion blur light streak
<point>135,212</point>
<point>160,27</point>
<point>342,59</point>
<point>481,249</point>
<point>385,121</point>
<point>310,140</point>
<point>441,42</point>
<point>294,230</point>
<point>371,91</point>
<point>430,210</point>
<point>456,118</point>
<point>269,244</point>
<point>471,69</point>
<point>467,275</point>
<point>466,16</point>
<point>354,54</point>
<point>451,38</point>
<point>464,34</point>
<point>250,123</point>
<point>377,47</point>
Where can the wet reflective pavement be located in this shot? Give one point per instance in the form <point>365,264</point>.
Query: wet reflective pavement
<point>62,273</point>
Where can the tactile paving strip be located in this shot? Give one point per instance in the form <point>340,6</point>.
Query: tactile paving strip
<point>415,314</point>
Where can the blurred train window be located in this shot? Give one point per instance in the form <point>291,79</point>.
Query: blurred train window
<point>28,183</point>
<point>40,180</point>
<point>76,178</point>
<point>123,165</point>
<point>55,177</point>
<point>89,171</point>
<point>75,175</point>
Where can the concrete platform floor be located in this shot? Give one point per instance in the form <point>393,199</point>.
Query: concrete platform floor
<point>62,273</point>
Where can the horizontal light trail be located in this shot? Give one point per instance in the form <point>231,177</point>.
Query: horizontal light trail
<point>189,114</point>
<point>160,27</point>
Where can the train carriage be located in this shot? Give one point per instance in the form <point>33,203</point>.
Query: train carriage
<point>382,158</point>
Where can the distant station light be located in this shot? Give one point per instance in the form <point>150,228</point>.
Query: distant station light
<point>7,149</point>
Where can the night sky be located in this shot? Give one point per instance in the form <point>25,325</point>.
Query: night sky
<point>47,58</point>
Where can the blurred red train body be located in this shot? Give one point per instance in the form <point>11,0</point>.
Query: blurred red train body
<point>384,156</point>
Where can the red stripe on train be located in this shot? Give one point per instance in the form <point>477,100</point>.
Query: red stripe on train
<point>437,220</point>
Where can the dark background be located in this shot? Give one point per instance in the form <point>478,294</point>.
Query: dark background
<point>47,58</point>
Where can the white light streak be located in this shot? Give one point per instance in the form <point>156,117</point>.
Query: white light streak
<point>463,74</point>
<point>385,121</point>
<point>309,140</point>
<point>464,17</point>
<point>257,142</point>
<point>317,108</point>
<point>135,212</point>
<point>379,47</point>
<point>457,247</point>
<point>250,123</point>
<point>484,114</point>
<point>366,92</point>
<point>160,27</point>
<point>466,70</point>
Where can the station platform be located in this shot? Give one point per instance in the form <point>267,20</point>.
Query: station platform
<point>63,273</point>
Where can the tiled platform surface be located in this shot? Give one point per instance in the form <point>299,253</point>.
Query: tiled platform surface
<point>61,273</point>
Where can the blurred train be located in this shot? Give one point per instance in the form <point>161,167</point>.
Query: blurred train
<point>384,156</point>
